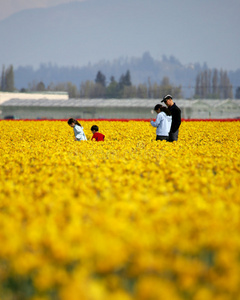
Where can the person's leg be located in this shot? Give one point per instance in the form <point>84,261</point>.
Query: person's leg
<point>173,136</point>
<point>161,138</point>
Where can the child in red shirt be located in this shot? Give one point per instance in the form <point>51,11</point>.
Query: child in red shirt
<point>97,135</point>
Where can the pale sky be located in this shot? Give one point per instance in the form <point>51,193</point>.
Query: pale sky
<point>9,7</point>
<point>193,31</point>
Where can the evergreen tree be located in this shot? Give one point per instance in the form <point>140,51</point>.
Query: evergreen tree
<point>112,89</point>
<point>127,79</point>
<point>40,87</point>
<point>9,79</point>
<point>237,95</point>
<point>100,79</point>
<point>3,81</point>
<point>121,82</point>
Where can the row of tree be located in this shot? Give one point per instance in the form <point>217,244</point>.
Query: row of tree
<point>7,79</point>
<point>212,84</point>
<point>99,88</point>
<point>125,89</point>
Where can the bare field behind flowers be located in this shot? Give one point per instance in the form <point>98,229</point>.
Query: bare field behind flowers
<point>128,218</point>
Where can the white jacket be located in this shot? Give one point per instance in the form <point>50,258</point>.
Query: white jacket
<point>163,124</point>
<point>79,133</point>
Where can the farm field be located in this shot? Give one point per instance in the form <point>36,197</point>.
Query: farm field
<point>124,219</point>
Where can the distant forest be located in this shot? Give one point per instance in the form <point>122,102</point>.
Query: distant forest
<point>142,77</point>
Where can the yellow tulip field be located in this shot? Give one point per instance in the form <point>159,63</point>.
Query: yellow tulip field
<point>129,218</point>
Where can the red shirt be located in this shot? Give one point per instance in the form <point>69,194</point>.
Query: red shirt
<point>98,137</point>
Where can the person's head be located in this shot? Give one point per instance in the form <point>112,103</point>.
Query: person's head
<point>72,122</point>
<point>168,100</point>
<point>158,108</point>
<point>94,128</point>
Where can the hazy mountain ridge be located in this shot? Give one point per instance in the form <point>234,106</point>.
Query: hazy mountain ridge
<point>76,33</point>
<point>144,69</point>
<point>112,36</point>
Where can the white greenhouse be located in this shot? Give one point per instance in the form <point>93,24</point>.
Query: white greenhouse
<point>114,108</point>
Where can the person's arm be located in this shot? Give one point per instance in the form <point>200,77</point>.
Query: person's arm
<point>157,122</point>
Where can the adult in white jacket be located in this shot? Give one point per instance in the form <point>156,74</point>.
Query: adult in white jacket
<point>163,122</point>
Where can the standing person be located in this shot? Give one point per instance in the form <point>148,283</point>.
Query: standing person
<point>78,130</point>
<point>163,122</point>
<point>97,135</point>
<point>176,117</point>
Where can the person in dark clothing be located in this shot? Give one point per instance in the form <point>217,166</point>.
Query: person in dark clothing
<point>176,117</point>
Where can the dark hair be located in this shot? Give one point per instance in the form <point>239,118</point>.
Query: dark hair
<point>73,121</point>
<point>94,127</point>
<point>157,107</point>
<point>162,108</point>
<point>166,110</point>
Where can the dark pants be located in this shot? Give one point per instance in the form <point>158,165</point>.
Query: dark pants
<point>161,138</point>
<point>173,136</point>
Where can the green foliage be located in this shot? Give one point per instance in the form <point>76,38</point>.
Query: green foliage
<point>124,89</point>
<point>7,79</point>
<point>100,79</point>
<point>112,89</point>
<point>72,90</point>
<point>40,86</point>
<point>237,96</point>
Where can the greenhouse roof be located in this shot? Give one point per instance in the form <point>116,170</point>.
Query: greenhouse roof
<point>149,103</point>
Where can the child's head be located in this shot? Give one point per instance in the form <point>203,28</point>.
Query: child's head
<point>94,128</point>
<point>158,108</point>
<point>72,122</point>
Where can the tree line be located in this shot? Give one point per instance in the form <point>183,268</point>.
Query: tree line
<point>7,79</point>
<point>213,84</point>
<point>123,88</point>
<point>210,84</point>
